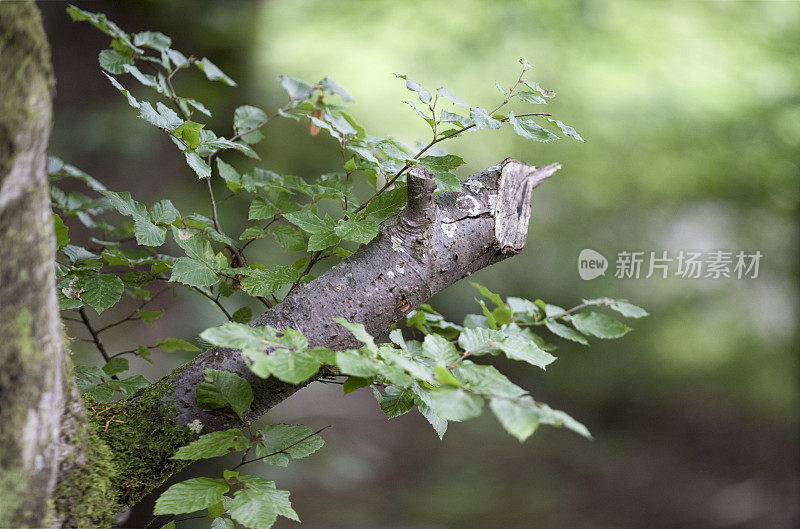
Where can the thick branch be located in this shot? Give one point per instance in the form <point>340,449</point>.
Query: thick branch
<point>432,244</point>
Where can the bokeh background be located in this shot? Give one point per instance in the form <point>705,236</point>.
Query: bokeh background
<point>691,115</point>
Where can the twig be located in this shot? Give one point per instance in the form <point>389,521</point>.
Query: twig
<point>95,337</point>
<point>130,317</point>
<point>561,315</point>
<point>213,300</point>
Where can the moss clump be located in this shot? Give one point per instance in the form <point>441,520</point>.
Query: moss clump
<point>142,435</point>
<point>85,497</point>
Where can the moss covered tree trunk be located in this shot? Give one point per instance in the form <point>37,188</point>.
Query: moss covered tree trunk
<point>33,385</point>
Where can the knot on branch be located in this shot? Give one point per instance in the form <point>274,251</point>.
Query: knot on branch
<point>420,209</point>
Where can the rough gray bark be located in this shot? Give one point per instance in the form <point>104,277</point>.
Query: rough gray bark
<point>33,385</point>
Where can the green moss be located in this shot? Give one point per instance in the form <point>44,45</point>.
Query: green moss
<point>86,497</point>
<point>142,436</point>
<point>128,444</point>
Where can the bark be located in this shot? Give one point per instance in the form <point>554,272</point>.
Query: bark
<point>33,385</point>
<point>432,244</point>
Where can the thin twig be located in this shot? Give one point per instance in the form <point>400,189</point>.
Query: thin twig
<point>213,300</point>
<point>561,315</point>
<point>95,337</point>
<point>130,317</point>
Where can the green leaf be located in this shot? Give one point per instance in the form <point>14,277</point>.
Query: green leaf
<point>293,366</point>
<point>260,491</point>
<point>282,441</point>
<point>307,221</point>
<point>218,523</point>
<point>479,340</point>
<point>600,325</point>
<point>552,417</point>
<point>130,385</point>
<point>261,209</point>
<point>332,87</point>
<point>164,118</point>
<point>520,419</point>
<point>288,237</point>
<point>248,117</point>
<point>483,120</point>
<point>113,61</point>
<point>197,164</point>
<point>296,88</point>
<point>115,365</point>
<point>352,363</point>
<point>222,388</point>
<point>354,383</point>
<point>439,350</point>
<point>360,231</point>
<point>487,380</point>
<point>61,231</point>
<point>441,163</point>
<point>191,495</point>
<point>147,233</point>
<point>152,39</point>
<point>252,232</point>
<point>360,334</point>
<point>531,97</point>
<point>163,212</point>
<point>236,336</point>
<point>322,241</point>
<point>622,306</point>
<point>454,404</point>
<point>394,401</point>
<point>527,128</point>
<point>232,178</point>
<point>494,298</point>
<point>458,102</point>
<point>243,315</point>
<point>101,290</point>
<point>213,444</point>
<point>176,344</point>
<point>445,377</point>
<point>565,129</point>
<point>193,273</point>
<point>131,100</point>
<point>439,425</point>
<point>386,204</point>
<point>213,73</point>
<point>423,94</point>
<point>517,348</point>
<point>264,282</point>
<point>440,166</point>
<point>189,132</point>
<point>565,332</point>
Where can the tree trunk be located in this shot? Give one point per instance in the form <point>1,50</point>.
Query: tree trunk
<point>58,469</point>
<point>33,385</point>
